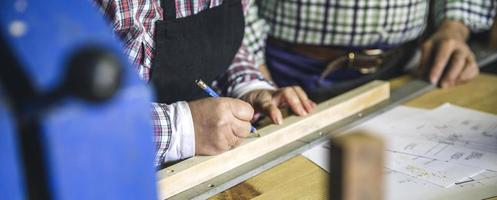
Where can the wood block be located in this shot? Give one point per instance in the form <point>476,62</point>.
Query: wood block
<point>356,167</point>
<point>199,169</point>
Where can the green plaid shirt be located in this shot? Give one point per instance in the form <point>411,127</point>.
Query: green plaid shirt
<point>356,23</point>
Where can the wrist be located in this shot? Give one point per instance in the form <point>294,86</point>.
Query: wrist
<point>455,28</point>
<point>250,86</point>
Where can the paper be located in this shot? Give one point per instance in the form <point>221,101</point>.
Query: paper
<point>445,152</point>
<point>447,133</point>
<point>441,173</point>
<point>430,150</point>
<point>404,145</point>
<point>319,155</point>
<point>460,127</point>
<point>402,186</point>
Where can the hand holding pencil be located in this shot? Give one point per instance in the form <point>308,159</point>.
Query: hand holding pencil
<point>219,124</point>
<point>213,93</point>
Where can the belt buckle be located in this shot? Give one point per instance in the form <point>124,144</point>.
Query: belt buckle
<point>367,61</point>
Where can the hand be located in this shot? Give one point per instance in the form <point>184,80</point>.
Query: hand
<point>219,124</point>
<point>268,101</point>
<point>448,49</point>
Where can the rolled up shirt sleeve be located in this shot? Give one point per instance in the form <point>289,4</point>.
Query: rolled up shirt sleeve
<point>174,133</point>
<point>477,15</point>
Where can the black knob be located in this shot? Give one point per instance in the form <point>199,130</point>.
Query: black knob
<point>94,74</point>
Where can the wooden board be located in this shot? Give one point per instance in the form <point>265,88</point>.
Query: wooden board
<point>199,169</point>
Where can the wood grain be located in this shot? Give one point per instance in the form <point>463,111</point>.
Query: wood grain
<point>197,170</point>
<point>298,172</point>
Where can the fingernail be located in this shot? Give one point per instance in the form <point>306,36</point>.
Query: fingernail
<point>276,121</point>
<point>279,121</point>
<point>310,106</point>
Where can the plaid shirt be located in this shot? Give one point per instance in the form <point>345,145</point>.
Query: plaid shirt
<point>134,22</point>
<point>356,23</point>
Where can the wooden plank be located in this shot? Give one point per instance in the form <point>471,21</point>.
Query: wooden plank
<point>196,170</point>
<point>356,167</point>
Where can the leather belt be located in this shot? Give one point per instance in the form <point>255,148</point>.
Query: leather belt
<point>364,61</point>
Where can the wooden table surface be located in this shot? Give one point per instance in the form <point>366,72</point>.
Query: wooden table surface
<point>302,179</point>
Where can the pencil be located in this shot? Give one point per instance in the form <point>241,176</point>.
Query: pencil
<point>214,94</point>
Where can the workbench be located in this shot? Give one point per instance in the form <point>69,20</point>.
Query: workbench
<point>302,179</point>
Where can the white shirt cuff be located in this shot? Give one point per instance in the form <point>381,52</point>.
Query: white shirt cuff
<point>243,88</point>
<point>183,137</point>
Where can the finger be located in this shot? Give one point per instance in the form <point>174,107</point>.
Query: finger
<point>241,110</point>
<point>313,103</point>
<point>293,101</point>
<point>240,128</point>
<point>470,72</point>
<point>426,50</point>
<point>442,57</point>
<point>303,98</point>
<point>456,66</point>
<point>271,110</point>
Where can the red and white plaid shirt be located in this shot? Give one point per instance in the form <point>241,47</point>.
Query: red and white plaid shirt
<point>134,22</point>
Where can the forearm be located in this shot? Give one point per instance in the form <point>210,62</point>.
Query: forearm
<point>477,15</point>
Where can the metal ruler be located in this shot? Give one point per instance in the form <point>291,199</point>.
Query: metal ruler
<point>231,178</point>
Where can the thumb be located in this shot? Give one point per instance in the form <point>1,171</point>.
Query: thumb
<point>241,110</point>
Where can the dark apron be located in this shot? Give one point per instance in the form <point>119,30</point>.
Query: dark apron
<point>200,46</point>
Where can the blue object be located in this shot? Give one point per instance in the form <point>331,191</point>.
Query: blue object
<point>213,93</point>
<point>89,150</point>
<point>12,181</point>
